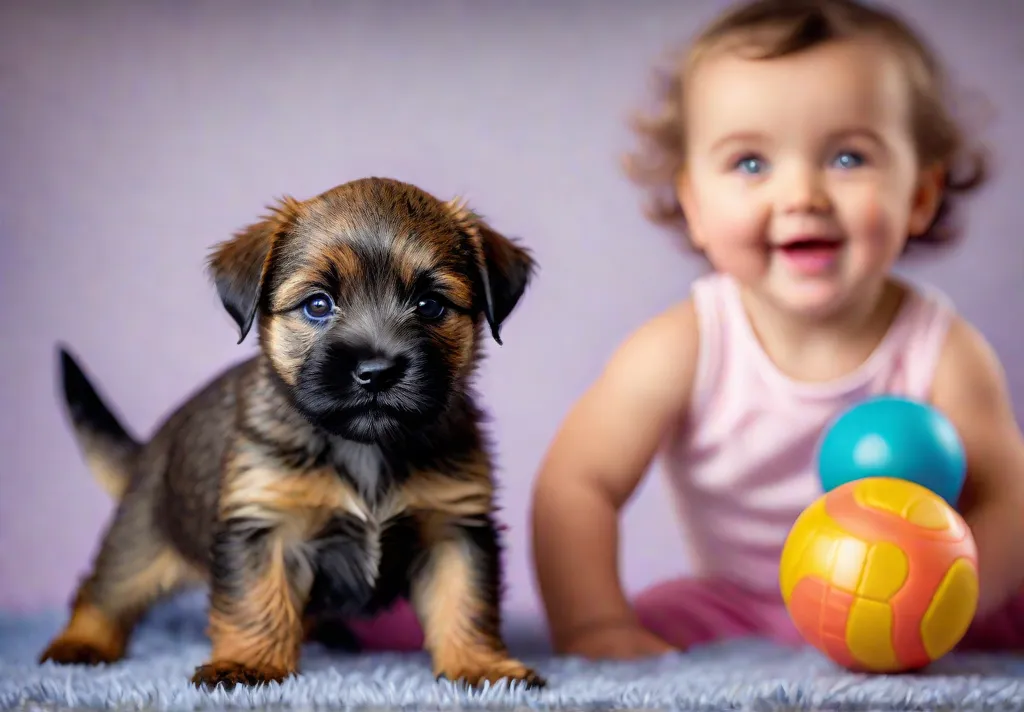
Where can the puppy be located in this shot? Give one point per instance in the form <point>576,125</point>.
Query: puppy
<point>341,468</point>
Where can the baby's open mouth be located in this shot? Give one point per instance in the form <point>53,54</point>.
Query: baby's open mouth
<point>812,255</point>
<point>812,244</point>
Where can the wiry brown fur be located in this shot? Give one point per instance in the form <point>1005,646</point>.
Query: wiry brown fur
<point>292,513</point>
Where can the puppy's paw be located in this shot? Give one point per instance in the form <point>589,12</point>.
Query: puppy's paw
<point>64,651</point>
<point>230,674</point>
<point>475,672</point>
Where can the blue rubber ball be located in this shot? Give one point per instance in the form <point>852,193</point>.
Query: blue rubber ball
<point>888,436</point>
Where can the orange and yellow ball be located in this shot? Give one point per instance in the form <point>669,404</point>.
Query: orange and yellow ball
<point>880,574</point>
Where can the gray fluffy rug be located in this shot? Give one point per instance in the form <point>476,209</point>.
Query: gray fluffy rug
<point>739,675</point>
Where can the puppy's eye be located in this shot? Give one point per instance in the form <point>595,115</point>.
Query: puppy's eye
<point>430,308</point>
<point>318,306</point>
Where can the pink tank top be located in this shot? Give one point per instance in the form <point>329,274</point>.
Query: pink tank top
<point>743,468</point>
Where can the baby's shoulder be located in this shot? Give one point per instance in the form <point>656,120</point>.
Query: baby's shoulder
<point>660,354</point>
<point>667,335</point>
<point>967,363</point>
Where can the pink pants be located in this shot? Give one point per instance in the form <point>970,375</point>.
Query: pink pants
<point>694,611</point>
<point>397,629</point>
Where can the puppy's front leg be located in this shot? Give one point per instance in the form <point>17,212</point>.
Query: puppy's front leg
<point>256,604</point>
<point>456,595</point>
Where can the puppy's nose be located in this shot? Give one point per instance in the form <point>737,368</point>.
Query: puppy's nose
<point>377,374</point>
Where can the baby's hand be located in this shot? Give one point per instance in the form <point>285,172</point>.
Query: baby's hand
<point>617,643</point>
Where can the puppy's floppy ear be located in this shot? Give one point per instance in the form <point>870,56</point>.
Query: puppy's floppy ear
<point>505,271</point>
<point>239,265</point>
<point>504,267</point>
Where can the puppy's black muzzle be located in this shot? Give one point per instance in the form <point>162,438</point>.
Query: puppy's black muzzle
<point>379,373</point>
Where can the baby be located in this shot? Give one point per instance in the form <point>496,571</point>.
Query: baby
<point>802,147</point>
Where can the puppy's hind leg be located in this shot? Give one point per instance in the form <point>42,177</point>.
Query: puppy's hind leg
<point>132,570</point>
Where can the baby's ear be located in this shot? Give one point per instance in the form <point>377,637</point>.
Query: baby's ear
<point>239,266</point>
<point>688,203</point>
<point>931,186</point>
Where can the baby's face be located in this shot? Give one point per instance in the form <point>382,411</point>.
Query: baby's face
<point>802,179</point>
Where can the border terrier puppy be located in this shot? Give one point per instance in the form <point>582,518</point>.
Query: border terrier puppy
<point>341,468</point>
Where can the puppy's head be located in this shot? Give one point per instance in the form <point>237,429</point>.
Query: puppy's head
<point>370,301</point>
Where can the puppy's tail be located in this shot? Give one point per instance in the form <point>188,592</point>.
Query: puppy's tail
<point>108,448</point>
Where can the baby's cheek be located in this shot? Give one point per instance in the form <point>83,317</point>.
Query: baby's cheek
<point>735,243</point>
<point>872,218</point>
<point>877,223</point>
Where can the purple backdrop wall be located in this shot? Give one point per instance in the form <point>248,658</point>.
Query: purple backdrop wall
<point>135,135</point>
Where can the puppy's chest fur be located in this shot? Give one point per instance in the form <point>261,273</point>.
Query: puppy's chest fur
<point>359,550</point>
<point>363,469</point>
<point>351,521</point>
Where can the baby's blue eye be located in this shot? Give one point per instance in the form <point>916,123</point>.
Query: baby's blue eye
<point>750,164</point>
<point>849,159</point>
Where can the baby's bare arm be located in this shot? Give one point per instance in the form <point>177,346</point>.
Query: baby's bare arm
<point>601,452</point>
<point>970,387</point>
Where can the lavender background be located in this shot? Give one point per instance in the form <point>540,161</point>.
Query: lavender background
<point>135,135</point>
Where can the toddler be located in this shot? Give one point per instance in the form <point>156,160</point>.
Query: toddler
<point>803,146</point>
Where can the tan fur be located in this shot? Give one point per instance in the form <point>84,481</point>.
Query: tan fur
<point>263,630</point>
<point>99,631</point>
<point>447,603</point>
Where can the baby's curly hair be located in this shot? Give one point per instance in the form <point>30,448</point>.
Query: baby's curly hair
<point>776,28</point>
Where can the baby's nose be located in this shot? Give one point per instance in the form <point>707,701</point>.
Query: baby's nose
<point>802,190</point>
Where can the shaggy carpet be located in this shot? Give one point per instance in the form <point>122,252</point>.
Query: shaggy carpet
<point>734,676</point>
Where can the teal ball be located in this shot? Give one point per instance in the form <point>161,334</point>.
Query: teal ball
<point>889,436</point>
